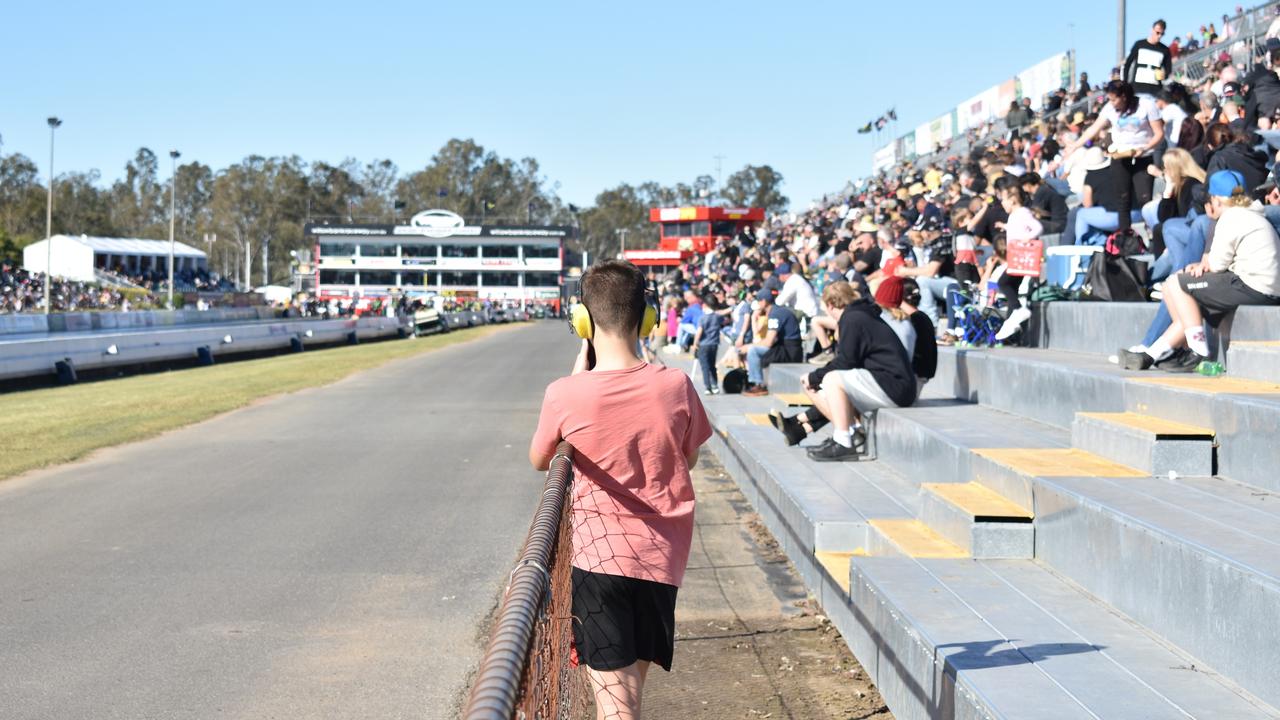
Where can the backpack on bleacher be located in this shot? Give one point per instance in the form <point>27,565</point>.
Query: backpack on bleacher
<point>734,381</point>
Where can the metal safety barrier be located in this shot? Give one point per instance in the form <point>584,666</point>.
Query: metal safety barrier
<point>525,671</point>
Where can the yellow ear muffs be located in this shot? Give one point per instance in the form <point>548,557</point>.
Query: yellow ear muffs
<point>582,325</point>
<point>581,322</point>
<point>649,320</point>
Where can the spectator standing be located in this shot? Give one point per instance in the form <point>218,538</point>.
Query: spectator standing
<point>1018,117</point>
<point>706,344</point>
<point>796,293</point>
<point>1136,131</point>
<point>1048,205</point>
<point>1022,227</point>
<point>1149,62</point>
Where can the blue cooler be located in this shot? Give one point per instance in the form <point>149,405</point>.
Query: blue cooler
<point>1066,265</point>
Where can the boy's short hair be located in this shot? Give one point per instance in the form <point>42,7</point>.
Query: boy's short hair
<point>613,292</point>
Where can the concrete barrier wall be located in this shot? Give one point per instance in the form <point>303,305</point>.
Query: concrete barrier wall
<point>86,321</point>
<point>1102,327</point>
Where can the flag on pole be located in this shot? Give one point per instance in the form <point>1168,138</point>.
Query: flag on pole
<point>893,113</point>
<point>881,122</point>
<point>864,129</point>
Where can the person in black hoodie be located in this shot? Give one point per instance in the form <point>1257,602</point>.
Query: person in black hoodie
<point>871,370</point>
<point>1239,155</point>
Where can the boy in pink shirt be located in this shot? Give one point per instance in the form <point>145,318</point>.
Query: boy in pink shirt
<point>636,429</point>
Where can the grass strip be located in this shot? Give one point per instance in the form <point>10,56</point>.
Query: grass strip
<point>49,426</point>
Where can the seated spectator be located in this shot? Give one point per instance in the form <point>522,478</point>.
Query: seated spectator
<point>870,371</point>
<point>889,297</point>
<point>931,264</point>
<point>924,355</point>
<point>1022,227</point>
<point>689,320</point>
<point>1172,215</point>
<point>1239,155</point>
<point>1098,213</point>
<point>778,343</point>
<point>796,293</point>
<point>1242,267</point>
<point>1047,204</point>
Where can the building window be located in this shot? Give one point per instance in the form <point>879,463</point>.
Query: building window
<point>501,279</point>
<point>702,228</point>
<point>541,279</point>
<point>459,251</point>
<point>501,251</point>
<point>332,249</point>
<point>677,229</point>
<point>542,251</point>
<point>412,277</point>
<point>337,277</point>
<point>377,277</point>
<point>371,250</point>
<point>468,279</point>
<point>724,228</point>
<point>419,250</point>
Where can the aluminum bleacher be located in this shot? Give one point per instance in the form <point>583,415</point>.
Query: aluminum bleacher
<point>1046,535</point>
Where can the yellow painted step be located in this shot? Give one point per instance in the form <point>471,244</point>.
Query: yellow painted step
<point>983,503</point>
<point>794,398</point>
<point>1258,343</point>
<point>758,418</point>
<point>1057,462</point>
<point>1222,384</point>
<point>837,565</point>
<point>917,540</point>
<point>1161,428</point>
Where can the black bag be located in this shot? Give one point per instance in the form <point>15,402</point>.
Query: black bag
<point>1111,279</point>
<point>734,381</point>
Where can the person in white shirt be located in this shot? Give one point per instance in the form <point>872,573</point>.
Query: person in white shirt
<point>1021,227</point>
<point>1241,267</point>
<point>1172,114</point>
<point>796,292</point>
<point>1136,131</point>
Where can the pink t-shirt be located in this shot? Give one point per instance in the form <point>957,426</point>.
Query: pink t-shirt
<point>631,431</point>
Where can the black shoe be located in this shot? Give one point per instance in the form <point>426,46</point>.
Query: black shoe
<point>1130,360</point>
<point>832,451</point>
<point>1184,360</point>
<point>791,428</point>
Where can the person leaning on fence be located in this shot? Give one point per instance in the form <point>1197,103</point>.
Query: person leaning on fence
<point>871,370</point>
<point>635,429</point>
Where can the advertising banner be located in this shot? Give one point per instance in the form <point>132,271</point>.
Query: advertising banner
<point>884,158</point>
<point>1044,77</point>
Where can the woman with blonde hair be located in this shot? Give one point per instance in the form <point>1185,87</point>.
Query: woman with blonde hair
<point>1177,213</point>
<point>1183,176</point>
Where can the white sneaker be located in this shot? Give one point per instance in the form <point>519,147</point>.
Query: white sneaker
<point>1138,349</point>
<point>1010,326</point>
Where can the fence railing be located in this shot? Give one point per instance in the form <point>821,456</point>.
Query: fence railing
<point>526,670</point>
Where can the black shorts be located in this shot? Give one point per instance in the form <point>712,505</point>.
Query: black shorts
<point>619,620</point>
<point>1218,293</point>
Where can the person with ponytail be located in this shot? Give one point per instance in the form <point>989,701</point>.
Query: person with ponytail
<point>1022,227</point>
<point>1136,132</point>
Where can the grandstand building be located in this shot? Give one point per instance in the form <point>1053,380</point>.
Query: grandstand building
<point>438,252</point>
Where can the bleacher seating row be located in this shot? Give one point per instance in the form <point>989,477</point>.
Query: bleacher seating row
<point>1046,535</point>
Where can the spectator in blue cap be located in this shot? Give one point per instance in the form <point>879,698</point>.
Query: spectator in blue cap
<point>1241,267</point>
<point>780,342</point>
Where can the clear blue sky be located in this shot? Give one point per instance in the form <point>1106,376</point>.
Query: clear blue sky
<point>599,93</point>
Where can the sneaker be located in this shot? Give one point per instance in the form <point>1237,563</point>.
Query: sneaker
<point>1133,360</point>
<point>832,451</point>
<point>1010,326</point>
<point>753,390</point>
<point>709,391</point>
<point>823,357</point>
<point>1182,361</point>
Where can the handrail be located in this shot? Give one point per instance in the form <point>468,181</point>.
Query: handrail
<point>493,695</point>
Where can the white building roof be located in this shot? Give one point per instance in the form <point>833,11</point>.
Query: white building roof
<point>134,246</point>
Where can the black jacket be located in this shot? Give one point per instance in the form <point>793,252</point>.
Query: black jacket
<point>866,341</point>
<point>1250,163</point>
<point>1264,99</point>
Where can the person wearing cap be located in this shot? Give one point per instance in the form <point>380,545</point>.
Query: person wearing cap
<point>780,342</point>
<point>1242,267</point>
<point>871,370</point>
<point>889,297</point>
<point>796,292</point>
<point>934,260</point>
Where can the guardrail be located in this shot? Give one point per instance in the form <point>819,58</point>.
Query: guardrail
<point>525,671</point>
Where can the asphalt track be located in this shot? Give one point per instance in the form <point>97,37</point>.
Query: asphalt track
<point>326,554</point>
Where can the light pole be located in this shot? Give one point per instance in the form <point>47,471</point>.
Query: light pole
<point>48,221</point>
<point>622,232</point>
<point>173,193</point>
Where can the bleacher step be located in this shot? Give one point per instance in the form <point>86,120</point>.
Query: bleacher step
<point>1008,639</point>
<point>1257,359</point>
<point>909,538</point>
<point>1145,442</point>
<point>981,522</point>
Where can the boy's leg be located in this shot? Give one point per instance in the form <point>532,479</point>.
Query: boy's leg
<point>618,692</point>
<point>755,364</point>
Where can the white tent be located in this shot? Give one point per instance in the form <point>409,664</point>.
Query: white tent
<point>77,256</point>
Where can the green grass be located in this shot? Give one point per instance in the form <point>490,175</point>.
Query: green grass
<point>49,426</point>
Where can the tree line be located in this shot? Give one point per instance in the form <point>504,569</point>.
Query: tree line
<point>257,207</point>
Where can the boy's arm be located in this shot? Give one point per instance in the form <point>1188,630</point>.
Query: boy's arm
<point>545,439</point>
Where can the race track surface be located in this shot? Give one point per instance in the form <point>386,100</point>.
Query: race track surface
<point>326,554</point>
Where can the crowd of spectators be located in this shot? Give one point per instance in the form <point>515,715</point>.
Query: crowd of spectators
<point>1143,167</point>
<point>23,291</point>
